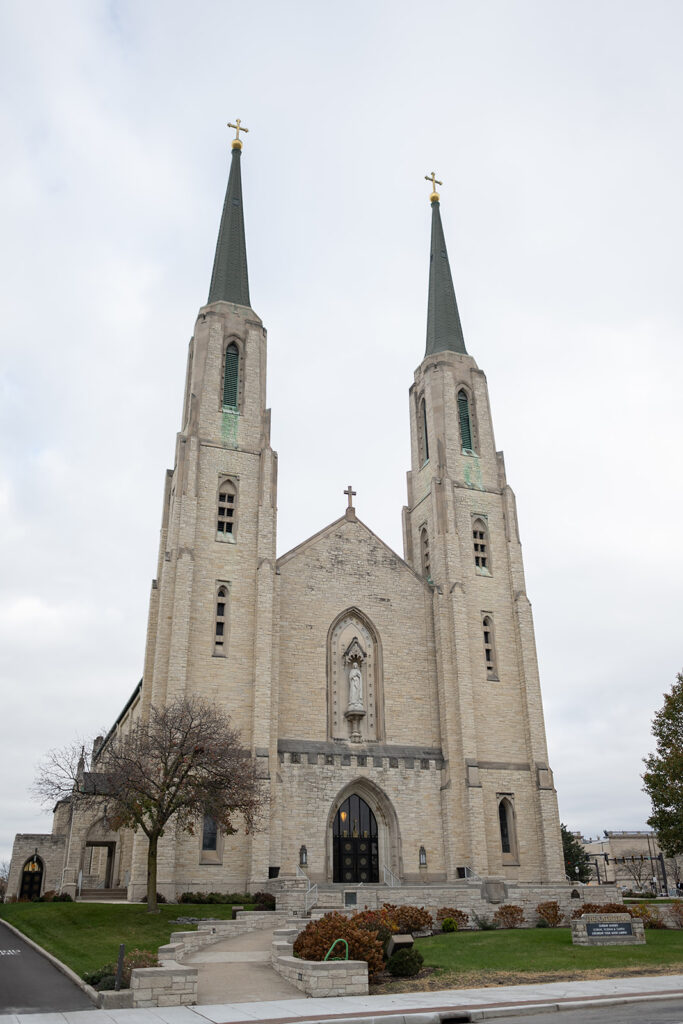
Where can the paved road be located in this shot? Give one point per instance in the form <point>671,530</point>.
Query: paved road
<point>669,1011</point>
<point>30,984</point>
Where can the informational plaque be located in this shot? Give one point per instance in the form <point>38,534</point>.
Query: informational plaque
<point>608,929</point>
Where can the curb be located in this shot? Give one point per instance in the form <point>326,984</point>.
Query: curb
<point>71,975</point>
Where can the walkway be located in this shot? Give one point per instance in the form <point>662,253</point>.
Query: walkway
<point>238,970</point>
<point>411,1007</point>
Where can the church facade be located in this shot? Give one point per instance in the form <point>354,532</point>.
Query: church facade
<point>416,753</point>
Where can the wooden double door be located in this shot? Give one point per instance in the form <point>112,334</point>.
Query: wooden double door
<point>354,842</point>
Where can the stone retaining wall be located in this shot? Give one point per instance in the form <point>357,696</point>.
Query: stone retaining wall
<point>314,977</point>
<point>171,985</point>
<point>208,932</point>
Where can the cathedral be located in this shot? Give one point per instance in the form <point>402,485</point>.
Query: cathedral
<point>415,755</point>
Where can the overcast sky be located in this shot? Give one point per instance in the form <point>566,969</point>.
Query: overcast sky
<point>556,129</point>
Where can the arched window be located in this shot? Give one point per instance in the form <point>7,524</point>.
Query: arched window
<point>209,833</point>
<point>508,836</point>
<point>480,540</point>
<point>226,519</point>
<point>465,421</point>
<point>422,436</point>
<point>231,377</point>
<point>489,647</point>
<point>424,553</point>
<point>221,624</point>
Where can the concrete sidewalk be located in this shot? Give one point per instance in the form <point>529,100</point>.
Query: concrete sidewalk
<point>404,1008</point>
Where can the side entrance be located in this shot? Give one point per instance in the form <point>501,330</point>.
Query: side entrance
<point>354,842</point>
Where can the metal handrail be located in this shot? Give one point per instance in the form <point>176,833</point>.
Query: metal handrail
<point>332,947</point>
<point>311,898</point>
<point>469,873</point>
<point>390,878</point>
<point>302,874</point>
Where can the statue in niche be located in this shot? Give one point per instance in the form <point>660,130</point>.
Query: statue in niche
<point>355,687</point>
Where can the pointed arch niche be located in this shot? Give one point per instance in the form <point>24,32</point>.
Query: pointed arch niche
<point>354,679</point>
<point>389,850</point>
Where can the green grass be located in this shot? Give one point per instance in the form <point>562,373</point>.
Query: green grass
<point>544,949</point>
<point>87,935</point>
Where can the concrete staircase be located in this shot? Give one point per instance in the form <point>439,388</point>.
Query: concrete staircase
<point>103,895</point>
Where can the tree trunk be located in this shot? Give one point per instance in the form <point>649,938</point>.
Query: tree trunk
<point>152,907</point>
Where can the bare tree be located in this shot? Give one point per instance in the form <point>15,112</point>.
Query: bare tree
<point>635,866</point>
<point>185,762</point>
<point>4,876</point>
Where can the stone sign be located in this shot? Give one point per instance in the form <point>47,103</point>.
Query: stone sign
<point>607,930</point>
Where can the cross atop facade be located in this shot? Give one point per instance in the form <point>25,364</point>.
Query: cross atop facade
<point>237,142</point>
<point>350,493</point>
<point>435,181</point>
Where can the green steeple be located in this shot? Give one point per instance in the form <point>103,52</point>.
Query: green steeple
<point>444,331</point>
<point>229,280</point>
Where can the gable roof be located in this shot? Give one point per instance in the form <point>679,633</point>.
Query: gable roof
<point>327,530</point>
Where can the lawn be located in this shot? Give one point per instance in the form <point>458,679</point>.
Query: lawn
<point>87,935</point>
<point>521,956</point>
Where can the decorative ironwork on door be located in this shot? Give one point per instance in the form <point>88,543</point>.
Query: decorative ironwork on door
<point>354,842</point>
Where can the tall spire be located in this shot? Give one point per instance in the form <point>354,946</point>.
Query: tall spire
<point>229,280</point>
<point>444,331</point>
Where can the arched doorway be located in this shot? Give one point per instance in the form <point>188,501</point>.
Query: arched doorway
<point>354,842</point>
<point>31,878</point>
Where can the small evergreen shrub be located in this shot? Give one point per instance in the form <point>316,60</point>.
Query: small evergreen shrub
<point>542,923</point>
<point>217,897</point>
<point>449,925</point>
<point>62,897</point>
<point>484,923</point>
<point>317,937</point>
<point>108,983</point>
<point>509,916</point>
<point>459,916</point>
<point>550,913</point>
<point>405,963</point>
<point>160,898</point>
<point>264,901</point>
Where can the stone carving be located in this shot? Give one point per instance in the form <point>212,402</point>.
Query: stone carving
<point>355,688</point>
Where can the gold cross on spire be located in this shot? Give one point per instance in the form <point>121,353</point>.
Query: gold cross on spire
<point>237,142</point>
<point>434,197</point>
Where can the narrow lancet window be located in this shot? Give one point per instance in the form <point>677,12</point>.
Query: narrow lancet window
<point>504,823</point>
<point>231,377</point>
<point>424,549</point>
<point>465,422</point>
<point>226,522</point>
<point>422,439</point>
<point>424,429</point>
<point>480,541</point>
<point>209,833</point>
<point>489,647</point>
<point>221,621</point>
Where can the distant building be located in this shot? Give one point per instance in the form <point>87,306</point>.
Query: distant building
<point>632,859</point>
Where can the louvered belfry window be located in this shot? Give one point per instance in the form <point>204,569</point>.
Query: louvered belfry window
<point>465,422</point>
<point>479,538</point>
<point>231,379</point>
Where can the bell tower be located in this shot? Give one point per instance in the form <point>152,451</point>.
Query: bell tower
<point>461,534</point>
<point>210,627</point>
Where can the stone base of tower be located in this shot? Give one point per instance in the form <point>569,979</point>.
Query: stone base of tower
<point>480,897</point>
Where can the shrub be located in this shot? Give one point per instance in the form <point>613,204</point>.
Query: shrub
<point>218,897</point>
<point>317,937</point>
<point>409,919</point>
<point>62,897</point>
<point>600,908</point>
<point>160,898</point>
<point>137,958</point>
<point>509,916</point>
<point>379,922</point>
<point>542,923</point>
<point>264,901</point>
<point>95,977</point>
<point>449,925</point>
<point>459,916</point>
<point>676,913</point>
<point>550,913</point>
<point>48,896</point>
<point>485,924</point>
<point>405,963</point>
<point>648,915</point>
<point>108,983</point>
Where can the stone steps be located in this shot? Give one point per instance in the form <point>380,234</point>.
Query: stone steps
<point>102,895</point>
